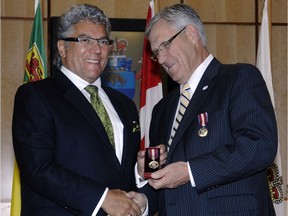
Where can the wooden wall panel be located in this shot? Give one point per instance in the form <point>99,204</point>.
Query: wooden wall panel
<point>224,10</point>
<point>160,4</point>
<point>113,8</point>
<point>133,9</point>
<point>58,7</point>
<point>231,43</point>
<point>279,11</point>
<point>17,8</point>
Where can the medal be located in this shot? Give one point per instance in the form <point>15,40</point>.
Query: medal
<point>203,119</point>
<point>203,132</point>
<point>153,154</point>
<point>153,164</point>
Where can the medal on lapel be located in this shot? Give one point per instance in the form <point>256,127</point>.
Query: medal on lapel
<point>203,119</point>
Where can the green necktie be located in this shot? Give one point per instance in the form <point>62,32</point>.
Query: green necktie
<point>101,111</point>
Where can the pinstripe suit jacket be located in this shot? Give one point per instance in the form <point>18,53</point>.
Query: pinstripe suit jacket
<point>62,150</point>
<point>229,164</point>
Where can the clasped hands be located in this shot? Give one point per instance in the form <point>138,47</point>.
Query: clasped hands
<point>170,176</point>
<point>121,203</point>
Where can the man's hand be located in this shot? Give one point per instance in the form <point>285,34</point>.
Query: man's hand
<point>171,176</point>
<point>140,199</point>
<point>119,203</point>
<point>141,159</point>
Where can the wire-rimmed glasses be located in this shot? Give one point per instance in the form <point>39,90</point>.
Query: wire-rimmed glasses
<point>163,46</point>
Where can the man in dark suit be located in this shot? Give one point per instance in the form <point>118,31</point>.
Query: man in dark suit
<point>67,163</point>
<point>221,143</point>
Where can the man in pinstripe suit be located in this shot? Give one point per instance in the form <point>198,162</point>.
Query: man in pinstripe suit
<point>227,137</point>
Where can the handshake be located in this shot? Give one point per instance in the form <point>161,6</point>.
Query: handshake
<point>121,203</point>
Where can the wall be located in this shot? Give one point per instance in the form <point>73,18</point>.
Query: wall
<point>231,38</point>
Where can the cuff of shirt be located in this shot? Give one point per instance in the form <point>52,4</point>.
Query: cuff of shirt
<point>190,175</point>
<point>100,202</point>
<point>140,182</point>
<point>145,213</point>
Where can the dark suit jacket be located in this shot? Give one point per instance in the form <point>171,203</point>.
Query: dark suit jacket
<point>63,153</point>
<point>229,164</point>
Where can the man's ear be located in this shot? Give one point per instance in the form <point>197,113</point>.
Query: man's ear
<point>61,48</point>
<point>192,33</point>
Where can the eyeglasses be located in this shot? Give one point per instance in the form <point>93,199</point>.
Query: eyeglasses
<point>163,46</point>
<point>88,41</point>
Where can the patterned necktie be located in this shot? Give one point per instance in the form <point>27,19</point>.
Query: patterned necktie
<point>184,102</point>
<point>101,111</point>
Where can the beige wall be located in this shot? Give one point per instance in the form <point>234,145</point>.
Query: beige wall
<point>231,38</point>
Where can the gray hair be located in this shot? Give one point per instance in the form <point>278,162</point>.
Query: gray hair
<point>179,16</point>
<point>76,14</point>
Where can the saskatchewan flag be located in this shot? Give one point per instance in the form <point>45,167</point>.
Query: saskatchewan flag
<point>35,66</point>
<point>35,69</point>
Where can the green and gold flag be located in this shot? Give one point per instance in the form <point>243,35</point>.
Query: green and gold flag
<point>35,66</point>
<point>35,69</point>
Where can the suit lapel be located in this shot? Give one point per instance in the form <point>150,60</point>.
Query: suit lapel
<point>78,100</point>
<point>203,88</point>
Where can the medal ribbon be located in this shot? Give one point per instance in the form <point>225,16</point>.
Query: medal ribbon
<point>152,153</point>
<point>203,119</point>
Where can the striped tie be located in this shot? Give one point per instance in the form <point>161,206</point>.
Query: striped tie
<point>184,102</point>
<point>101,111</point>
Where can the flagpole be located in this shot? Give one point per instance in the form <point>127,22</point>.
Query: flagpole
<point>256,26</point>
<point>48,37</point>
<point>269,12</point>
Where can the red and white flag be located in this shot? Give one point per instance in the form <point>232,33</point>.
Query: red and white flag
<point>274,172</point>
<point>151,85</point>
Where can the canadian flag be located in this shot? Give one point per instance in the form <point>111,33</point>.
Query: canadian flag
<point>151,86</point>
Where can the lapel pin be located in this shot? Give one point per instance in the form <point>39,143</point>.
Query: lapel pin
<point>205,87</point>
<point>136,126</point>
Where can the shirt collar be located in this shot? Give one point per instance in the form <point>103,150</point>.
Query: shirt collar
<point>78,81</point>
<point>198,73</point>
